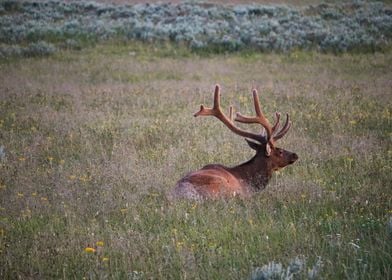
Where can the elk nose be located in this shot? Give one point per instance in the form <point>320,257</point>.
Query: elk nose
<point>294,157</point>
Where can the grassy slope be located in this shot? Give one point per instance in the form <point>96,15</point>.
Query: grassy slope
<point>94,140</point>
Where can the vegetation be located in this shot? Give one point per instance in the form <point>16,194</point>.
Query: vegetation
<point>38,28</point>
<point>93,141</point>
<point>96,127</point>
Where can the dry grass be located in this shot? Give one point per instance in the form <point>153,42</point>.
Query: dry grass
<point>94,140</point>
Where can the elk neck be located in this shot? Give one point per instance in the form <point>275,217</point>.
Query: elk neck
<point>256,172</point>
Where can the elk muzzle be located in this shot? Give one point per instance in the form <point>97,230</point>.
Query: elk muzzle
<point>294,158</point>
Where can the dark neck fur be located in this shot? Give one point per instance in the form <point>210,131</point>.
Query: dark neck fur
<point>255,172</point>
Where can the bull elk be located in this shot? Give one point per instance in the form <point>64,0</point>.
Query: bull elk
<point>216,180</point>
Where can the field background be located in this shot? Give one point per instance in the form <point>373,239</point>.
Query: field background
<point>93,140</point>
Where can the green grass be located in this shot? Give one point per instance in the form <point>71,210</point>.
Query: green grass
<point>94,140</point>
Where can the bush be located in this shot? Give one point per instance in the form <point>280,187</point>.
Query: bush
<point>40,48</point>
<point>327,27</point>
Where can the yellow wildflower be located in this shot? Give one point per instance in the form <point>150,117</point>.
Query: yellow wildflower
<point>99,243</point>
<point>89,250</point>
<point>105,259</point>
<point>179,244</point>
<point>85,178</point>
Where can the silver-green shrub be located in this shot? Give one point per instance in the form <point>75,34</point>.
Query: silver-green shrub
<point>358,25</point>
<point>40,48</point>
<point>296,269</point>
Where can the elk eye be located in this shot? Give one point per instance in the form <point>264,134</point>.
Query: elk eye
<point>281,152</point>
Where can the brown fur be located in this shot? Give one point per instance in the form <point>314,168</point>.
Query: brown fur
<point>215,180</point>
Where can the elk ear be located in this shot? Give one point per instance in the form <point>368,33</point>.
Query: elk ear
<point>268,149</point>
<point>253,145</point>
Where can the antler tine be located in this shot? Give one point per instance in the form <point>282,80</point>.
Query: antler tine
<point>260,118</point>
<point>211,111</point>
<point>284,130</point>
<point>217,112</point>
<point>276,125</point>
<point>256,102</point>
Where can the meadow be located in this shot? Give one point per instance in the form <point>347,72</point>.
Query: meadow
<point>93,139</point>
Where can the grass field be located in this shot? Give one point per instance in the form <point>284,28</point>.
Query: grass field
<point>93,141</point>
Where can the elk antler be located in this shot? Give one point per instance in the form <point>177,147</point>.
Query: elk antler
<point>284,130</point>
<point>259,118</point>
<point>271,136</point>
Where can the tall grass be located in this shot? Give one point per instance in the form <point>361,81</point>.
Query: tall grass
<point>93,141</point>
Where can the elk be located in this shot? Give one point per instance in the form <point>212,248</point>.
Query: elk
<point>217,181</point>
